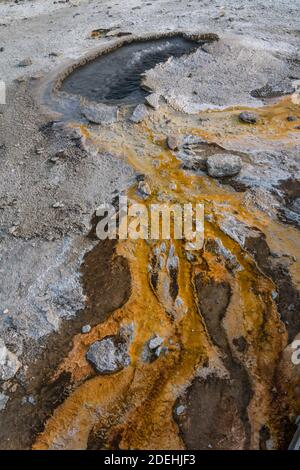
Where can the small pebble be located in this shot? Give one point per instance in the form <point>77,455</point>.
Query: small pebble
<point>86,329</point>
<point>174,142</point>
<point>249,118</point>
<point>25,62</point>
<point>144,188</point>
<point>57,205</point>
<point>180,409</point>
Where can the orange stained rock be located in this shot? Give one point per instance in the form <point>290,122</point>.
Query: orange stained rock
<point>135,406</point>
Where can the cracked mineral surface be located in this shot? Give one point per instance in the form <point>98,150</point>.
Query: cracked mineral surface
<point>149,344</point>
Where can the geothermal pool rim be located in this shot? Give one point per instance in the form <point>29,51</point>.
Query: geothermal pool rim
<point>48,90</point>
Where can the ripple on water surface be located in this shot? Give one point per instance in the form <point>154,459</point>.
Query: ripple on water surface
<point>116,77</point>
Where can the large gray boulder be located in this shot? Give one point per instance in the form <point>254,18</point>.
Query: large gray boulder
<point>221,165</point>
<point>109,355</point>
<point>99,113</point>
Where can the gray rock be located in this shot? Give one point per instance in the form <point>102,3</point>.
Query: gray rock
<point>139,113</point>
<point>153,349</point>
<point>155,342</point>
<point>25,62</point>
<point>172,260</point>
<point>29,399</point>
<point>292,216</point>
<point>108,355</point>
<point>58,205</point>
<point>221,165</point>
<point>127,331</point>
<point>153,100</point>
<point>179,302</point>
<point>249,118</point>
<point>270,444</point>
<point>144,189</point>
<point>163,247</point>
<point>99,113</point>
<point>161,349</point>
<point>174,142</point>
<point>231,260</point>
<point>274,294</point>
<point>238,230</point>
<point>14,388</point>
<point>296,205</point>
<point>193,141</point>
<point>86,329</point>
<point>292,118</point>
<point>9,364</point>
<point>195,163</point>
<point>272,90</point>
<point>161,262</point>
<point>180,409</point>
<point>3,401</point>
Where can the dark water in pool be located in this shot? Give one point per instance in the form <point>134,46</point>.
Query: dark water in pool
<point>115,77</point>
